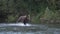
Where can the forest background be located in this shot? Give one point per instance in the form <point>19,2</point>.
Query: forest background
<point>40,11</point>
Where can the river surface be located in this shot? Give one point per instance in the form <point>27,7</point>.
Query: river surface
<point>20,28</point>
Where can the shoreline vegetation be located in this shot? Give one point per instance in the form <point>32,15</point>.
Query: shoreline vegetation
<point>40,11</point>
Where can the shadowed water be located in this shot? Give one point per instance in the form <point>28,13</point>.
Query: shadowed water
<point>20,28</point>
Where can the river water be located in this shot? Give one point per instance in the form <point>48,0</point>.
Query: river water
<point>20,28</point>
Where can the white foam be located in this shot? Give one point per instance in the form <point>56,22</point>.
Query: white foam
<point>22,24</point>
<point>19,24</point>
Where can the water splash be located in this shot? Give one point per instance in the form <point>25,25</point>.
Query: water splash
<point>22,24</point>
<point>19,24</point>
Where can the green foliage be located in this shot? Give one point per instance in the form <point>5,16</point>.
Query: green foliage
<point>37,9</point>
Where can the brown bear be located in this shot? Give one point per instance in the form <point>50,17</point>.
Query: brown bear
<point>24,19</point>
